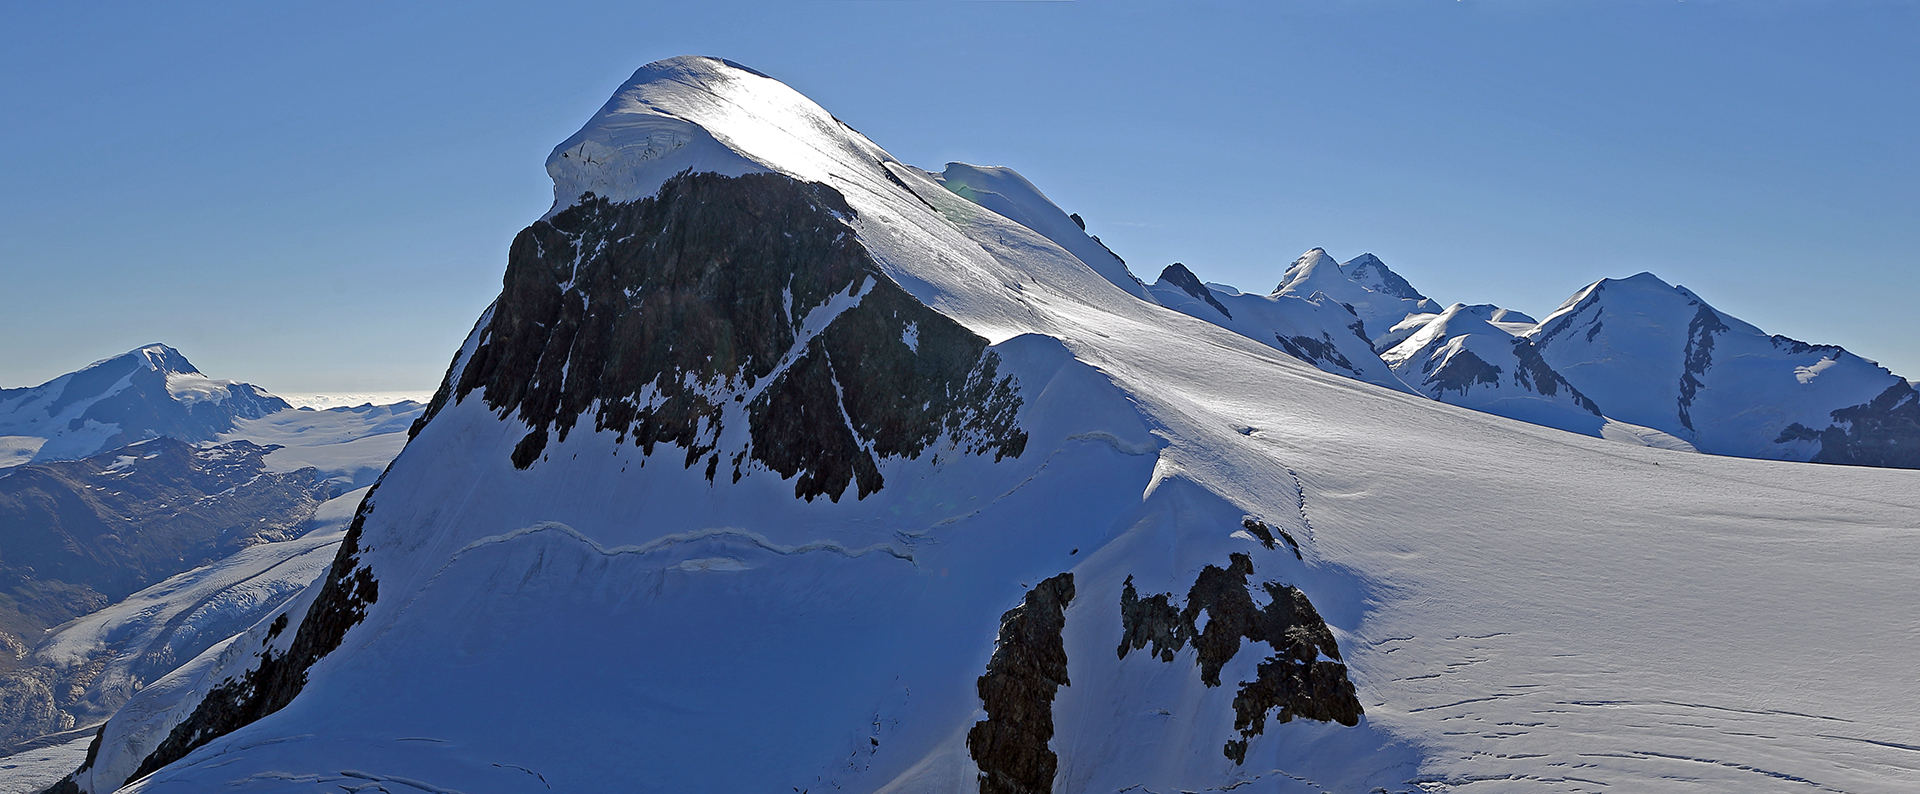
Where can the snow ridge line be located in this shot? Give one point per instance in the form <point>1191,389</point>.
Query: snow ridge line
<point>666,541</point>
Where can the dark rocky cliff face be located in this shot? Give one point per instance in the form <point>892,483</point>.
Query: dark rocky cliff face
<point>1324,351</point>
<point>1533,373</point>
<point>1178,275</point>
<point>659,314</point>
<point>672,319</point>
<point>1028,667</point>
<point>1530,372</point>
<point>1699,358</point>
<point>1884,431</point>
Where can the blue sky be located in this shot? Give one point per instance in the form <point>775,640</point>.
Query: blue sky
<point>319,197</point>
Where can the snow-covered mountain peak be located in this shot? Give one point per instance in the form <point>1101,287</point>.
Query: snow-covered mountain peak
<point>147,392</point>
<point>797,449</point>
<point>160,357</point>
<point>1378,296</point>
<point>1309,268</point>
<point>1654,354</point>
<point>1654,305</point>
<point>710,116</point>
<point>1368,271</point>
<point>633,144</point>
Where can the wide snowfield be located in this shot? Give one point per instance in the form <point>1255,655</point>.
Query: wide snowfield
<point>349,445</point>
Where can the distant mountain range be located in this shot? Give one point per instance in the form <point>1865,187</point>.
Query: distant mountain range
<point>1635,360</point>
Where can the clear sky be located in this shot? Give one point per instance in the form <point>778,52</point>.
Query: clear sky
<point>319,197</point>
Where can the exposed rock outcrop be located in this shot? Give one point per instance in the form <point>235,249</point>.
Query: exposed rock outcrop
<point>729,299</point>
<point>1884,431</point>
<point>1029,665</point>
<point>1178,275</point>
<point>1303,677</point>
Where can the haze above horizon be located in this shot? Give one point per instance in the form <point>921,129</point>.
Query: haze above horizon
<point>321,199</point>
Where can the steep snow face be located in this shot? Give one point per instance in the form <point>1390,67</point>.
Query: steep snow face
<point>1528,605</point>
<point>1316,329</point>
<point>1461,357</point>
<point>632,145</point>
<point>1378,296</point>
<point>146,393</point>
<point>1006,192</point>
<point>1654,354</point>
<point>1368,271</point>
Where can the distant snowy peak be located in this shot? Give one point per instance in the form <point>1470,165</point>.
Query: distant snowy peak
<point>1461,357</point>
<point>1368,271</point>
<point>1378,296</point>
<point>1305,267</point>
<point>1655,354</point>
<point>149,392</point>
<point>1315,328</point>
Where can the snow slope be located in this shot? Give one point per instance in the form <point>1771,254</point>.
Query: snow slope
<point>1520,609</point>
<point>1009,194</point>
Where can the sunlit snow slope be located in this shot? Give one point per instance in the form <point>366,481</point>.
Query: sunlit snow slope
<point>895,504</point>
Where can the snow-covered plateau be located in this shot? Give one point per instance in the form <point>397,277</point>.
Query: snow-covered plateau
<point>780,465</point>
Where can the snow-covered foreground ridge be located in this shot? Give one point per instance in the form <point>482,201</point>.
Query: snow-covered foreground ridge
<point>779,466</point>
